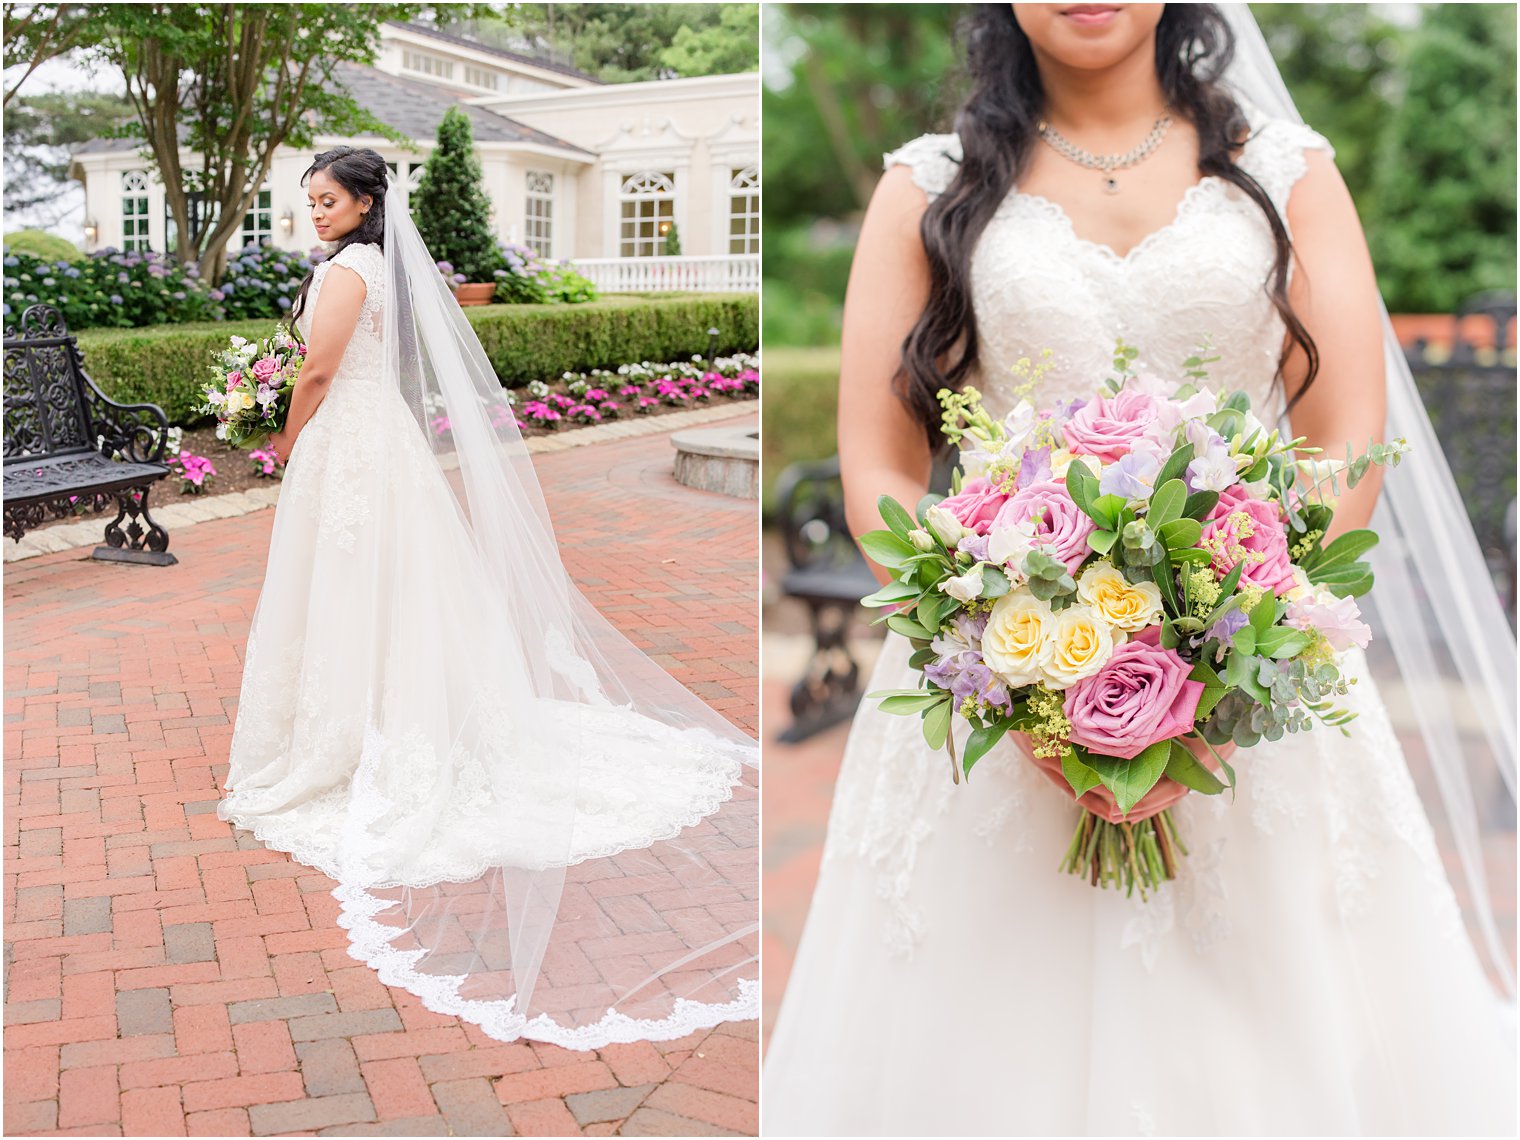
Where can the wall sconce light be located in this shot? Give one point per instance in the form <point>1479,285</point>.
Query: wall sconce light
<point>91,230</point>
<point>664,227</point>
<point>287,222</point>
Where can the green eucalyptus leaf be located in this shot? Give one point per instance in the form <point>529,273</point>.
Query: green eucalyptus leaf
<point>890,594</point>
<point>937,725</point>
<point>1102,541</point>
<point>1181,534</point>
<point>1078,773</point>
<point>1188,770</point>
<point>1129,780</point>
<point>1199,504</point>
<point>893,514</point>
<point>1281,642</point>
<point>916,703</point>
<point>1166,504</point>
<point>1263,614</point>
<point>886,549</point>
<point>981,741</point>
<point>906,626</point>
<point>1176,464</point>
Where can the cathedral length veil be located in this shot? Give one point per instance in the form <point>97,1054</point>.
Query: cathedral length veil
<point>603,887</point>
<point>1442,652</point>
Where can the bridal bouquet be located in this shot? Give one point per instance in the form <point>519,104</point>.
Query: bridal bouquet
<point>1131,581</point>
<point>250,395</point>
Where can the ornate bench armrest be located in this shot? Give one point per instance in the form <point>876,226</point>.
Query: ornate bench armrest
<point>139,431</point>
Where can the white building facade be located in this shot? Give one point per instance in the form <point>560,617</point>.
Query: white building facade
<point>576,169</point>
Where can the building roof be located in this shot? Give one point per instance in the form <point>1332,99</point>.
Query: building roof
<point>410,106</point>
<point>415,108</point>
<point>519,57</point>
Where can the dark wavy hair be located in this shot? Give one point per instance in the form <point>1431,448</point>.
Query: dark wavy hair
<point>361,172</point>
<point>996,125</point>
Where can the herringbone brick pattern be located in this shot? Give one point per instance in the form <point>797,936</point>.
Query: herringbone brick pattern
<point>168,976</point>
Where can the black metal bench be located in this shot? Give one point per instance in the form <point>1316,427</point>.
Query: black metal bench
<point>827,574</point>
<point>1470,395</point>
<point>61,432</point>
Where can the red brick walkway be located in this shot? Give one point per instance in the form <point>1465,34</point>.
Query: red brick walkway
<point>166,976</point>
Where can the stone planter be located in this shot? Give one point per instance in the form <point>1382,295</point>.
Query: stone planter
<point>475,293</point>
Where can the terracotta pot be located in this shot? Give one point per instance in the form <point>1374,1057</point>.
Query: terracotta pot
<point>475,293</point>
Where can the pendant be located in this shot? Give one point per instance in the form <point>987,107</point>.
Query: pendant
<point>1111,184</point>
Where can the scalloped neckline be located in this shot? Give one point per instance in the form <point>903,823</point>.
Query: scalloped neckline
<point>1058,213</point>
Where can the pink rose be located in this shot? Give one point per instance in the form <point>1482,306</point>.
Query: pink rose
<point>976,505</point>
<point>1142,696</point>
<point>1062,526</point>
<point>1272,570</point>
<point>1108,427</point>
<point>265,367</point>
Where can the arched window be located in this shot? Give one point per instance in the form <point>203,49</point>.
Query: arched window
<point>134,210</point>
<point>648,204</point>
<point>538,213</point>
<point>258,222</point>
<point>744,210</point>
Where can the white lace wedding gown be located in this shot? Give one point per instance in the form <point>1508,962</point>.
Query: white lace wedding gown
<point>1308,973</point>
<point>371,742</point>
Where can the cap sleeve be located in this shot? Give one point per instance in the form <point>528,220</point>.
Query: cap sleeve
<point>365,259</point>
<point>934,160</point>
<point>1275,154</point>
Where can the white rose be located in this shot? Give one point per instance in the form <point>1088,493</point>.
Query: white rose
<point>1009,544</point>
<point>1018,641</point>
<point>966,587</point>
<point>1131,606</point>
<point>1082,642</point>
<point>946,527</point>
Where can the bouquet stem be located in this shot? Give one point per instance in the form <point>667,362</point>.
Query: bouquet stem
<point>1128,855</point>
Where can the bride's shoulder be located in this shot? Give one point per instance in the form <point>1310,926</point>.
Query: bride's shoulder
<point>363,257</point>
<point>1277,149</point>
<point>933,159</point>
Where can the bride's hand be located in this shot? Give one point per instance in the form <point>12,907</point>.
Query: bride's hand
<point>1100,801</point>
<point>281,445</point>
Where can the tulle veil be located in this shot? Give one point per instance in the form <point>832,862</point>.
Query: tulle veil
<point>1442,650</point>
<point>615,897</point>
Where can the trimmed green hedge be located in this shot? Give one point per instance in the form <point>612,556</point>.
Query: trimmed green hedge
<point>167,364</point>
<point>799,416</point>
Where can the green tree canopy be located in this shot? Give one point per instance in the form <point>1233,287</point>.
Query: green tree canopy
<point>41,132</point>
<point>1442,223</point>
<point>627,43</point>
<point>450,205</point>
<point>231,84</point>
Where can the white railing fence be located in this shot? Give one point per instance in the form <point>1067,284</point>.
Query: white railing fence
<point>718,273</point>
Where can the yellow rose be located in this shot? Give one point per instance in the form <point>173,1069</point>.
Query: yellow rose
<point>1018,640</point>
<point>1060,460</point>
<point>1129,606</point>
<point>238,400</point>
<point>1083,644</point>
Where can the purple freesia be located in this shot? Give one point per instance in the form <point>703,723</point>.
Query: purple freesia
<point>1227,626</point>
<point>1034,467</point>
<point>1132,477</point>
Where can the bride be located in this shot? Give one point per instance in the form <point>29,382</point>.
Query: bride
<point>1309,971</point>
<point>531,825</point>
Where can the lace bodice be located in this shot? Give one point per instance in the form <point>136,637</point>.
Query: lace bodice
<point>364,356</point>
<point>1037,285</point>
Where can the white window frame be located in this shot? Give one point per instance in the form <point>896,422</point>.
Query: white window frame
<point>482,77</point>
<point>744,207</point>
<point>134,212</point>
<point>425,63</point>
<point>258,222</point>
<point>646,197</point>
<point>538,212</point>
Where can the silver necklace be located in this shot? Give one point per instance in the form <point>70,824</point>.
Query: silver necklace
<point>1107,163</point>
